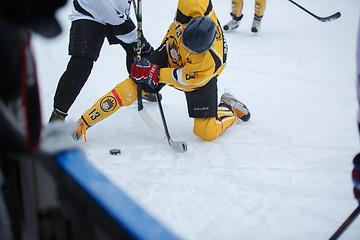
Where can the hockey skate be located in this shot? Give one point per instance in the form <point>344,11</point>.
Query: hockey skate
<point>57,115</point>
<point>80,131</point>
<point>256,25</point>
<point>234,23</point>
<point>237,107</point>
<point>231,25</point>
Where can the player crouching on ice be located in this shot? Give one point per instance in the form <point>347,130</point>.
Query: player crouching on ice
<point>191,56</point>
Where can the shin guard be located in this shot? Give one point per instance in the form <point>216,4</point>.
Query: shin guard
<point>124,94</point>
<point>236,9</point>
<point>259,9</point>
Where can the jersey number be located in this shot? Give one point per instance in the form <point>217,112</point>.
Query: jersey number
<point>94,114</point>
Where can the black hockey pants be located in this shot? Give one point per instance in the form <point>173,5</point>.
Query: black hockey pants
<point>71,82</point>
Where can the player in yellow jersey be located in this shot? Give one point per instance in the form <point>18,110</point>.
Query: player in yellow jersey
<point>190,58</point>
<point>236,14</point>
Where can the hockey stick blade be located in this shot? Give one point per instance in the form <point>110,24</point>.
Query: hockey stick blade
<point>322,19</point>
<point>330,18</point>
<point>177,146</point>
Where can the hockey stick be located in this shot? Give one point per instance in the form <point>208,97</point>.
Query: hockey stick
<point>177,146</point>
<point>346,224</point>
<point>150,122</point>
<point>154,127</point>
<point>322,19</point>
<point>138,15</point>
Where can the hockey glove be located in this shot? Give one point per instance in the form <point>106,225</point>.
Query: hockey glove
<point>131,51</point>
<point>146,73</point>
<point>356,177</point>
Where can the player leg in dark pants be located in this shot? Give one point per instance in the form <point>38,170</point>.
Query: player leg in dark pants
<point>86,40</point>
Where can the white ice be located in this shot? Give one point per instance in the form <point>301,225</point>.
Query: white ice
<point>285,174</point>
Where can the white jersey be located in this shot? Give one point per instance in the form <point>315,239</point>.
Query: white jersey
<point>107,12</point>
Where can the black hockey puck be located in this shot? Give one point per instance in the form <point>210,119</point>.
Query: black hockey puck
<point>115,151</point>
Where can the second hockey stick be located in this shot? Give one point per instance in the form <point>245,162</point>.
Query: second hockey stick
<point>177,146</point>
<point>346,224</point>
<point>154,127</point>
<point>322,19</point>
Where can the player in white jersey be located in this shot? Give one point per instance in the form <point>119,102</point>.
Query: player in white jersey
<point>92,22</point>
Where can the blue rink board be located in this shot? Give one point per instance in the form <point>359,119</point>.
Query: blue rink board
<point>113,200</point>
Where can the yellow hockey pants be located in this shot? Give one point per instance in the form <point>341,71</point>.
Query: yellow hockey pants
<point>125,93</point>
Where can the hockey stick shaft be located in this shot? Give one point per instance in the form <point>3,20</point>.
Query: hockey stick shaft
<point>177,146</point>
<point>138,14</point>
<point>346,224</point>
<point>154,127</point>
<point>162,116</point>
<point>322,19</point>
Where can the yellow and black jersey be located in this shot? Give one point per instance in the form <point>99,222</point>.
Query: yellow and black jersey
<point>186,71</point>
